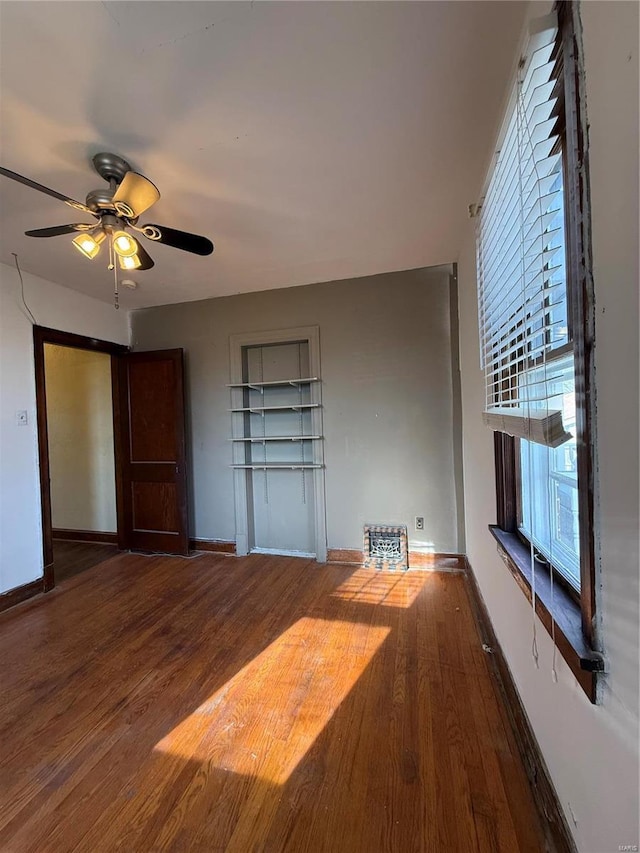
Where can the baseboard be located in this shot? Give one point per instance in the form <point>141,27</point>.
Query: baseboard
<point>84,535</point>
<point>417,559</point>
<point>344,555</point>
<point>20,593</point>
<point>559,837</point>
<point>283,552</point>
<point>441,562</point>
<point>216,546</point>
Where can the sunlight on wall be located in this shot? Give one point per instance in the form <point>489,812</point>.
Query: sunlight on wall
<point>264,720</point>
<point>422,547</point>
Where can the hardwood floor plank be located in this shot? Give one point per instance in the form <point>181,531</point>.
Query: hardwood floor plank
<point>71,558</point>
<point>185,742</point>
<point>503,764</point>
<point>255,704</point>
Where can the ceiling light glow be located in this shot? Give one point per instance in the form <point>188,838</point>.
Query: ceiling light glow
<point>89,244</point>
<point>129,262</point>
<point>124,244</point>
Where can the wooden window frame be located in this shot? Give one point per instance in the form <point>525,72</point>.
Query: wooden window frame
<point>568,616</point>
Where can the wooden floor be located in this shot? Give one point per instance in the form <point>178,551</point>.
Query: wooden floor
<point>252,705</point>
<point>71,558</point>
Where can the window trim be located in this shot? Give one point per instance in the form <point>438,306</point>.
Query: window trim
<point>568,613</point>
<point>558,607</point>
<point>581,305</point>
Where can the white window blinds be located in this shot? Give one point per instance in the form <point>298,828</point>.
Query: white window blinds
<point>521,256</point>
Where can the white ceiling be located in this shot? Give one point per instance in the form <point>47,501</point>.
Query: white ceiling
<point>310,141</point>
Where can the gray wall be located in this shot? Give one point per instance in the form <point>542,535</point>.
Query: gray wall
<point>387,395</point>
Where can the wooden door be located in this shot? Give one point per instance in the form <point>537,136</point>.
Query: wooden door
<point>151,451</point>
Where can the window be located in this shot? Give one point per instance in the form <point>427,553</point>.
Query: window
<point>548,485</point>
<point>536,333</point>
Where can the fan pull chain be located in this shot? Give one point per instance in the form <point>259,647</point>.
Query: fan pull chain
<point>112,266</point>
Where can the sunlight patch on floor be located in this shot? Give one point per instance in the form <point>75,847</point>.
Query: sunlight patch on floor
<point>264,720</point>
<point>367,587</point>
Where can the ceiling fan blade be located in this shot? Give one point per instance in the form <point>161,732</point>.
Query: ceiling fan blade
<point>181,240</point>
<point>57,230</point>
<point>36,186</point>
<point>135,195</point>
<point>146,261</point>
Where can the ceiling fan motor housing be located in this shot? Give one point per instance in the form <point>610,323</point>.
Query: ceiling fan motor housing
<point>99,200</point>
<point>112,223</point>
<point>111,166</point>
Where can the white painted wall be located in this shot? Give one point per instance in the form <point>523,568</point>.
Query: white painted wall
<point>389,427</point>
<point>59,308</point>
<point>80,428</point>
<point>591,751</point>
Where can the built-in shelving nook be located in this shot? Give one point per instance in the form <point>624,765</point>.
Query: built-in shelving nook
<point>277,443</point>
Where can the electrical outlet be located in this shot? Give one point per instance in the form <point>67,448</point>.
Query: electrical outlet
<point>419,522</point>
<point>21,417</point>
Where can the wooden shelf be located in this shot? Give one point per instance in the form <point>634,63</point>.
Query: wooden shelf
<point>288,466</point>
<point>273,383</point>
<point>291,407</point>
<point>260,439</point>
<point>288,390</point>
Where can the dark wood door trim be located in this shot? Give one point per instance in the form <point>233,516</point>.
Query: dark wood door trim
<point>20,593</point>
<point>119,421</point>
<point>42,336</point>
<point>96,536</point>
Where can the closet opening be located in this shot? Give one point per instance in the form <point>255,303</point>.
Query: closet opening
<point>278,445</point>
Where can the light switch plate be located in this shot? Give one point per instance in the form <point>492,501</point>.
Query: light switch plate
<point>22,418</point>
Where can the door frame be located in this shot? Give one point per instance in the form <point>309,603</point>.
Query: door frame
<point>237,343</point>
<point>41,336</point>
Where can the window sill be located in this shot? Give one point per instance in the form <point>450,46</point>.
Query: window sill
<point>564,611</point>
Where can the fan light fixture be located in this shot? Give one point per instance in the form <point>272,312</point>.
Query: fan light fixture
<point>115,209</point>
<point>124,245</point>
<point>89,244</point>
<point>129,262</point>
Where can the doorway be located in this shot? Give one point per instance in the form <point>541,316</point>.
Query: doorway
<point>79,398</point>
<point>147,429</point>
<point>77,419</point>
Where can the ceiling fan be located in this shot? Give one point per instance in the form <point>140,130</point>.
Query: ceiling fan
<point>116,209</point>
